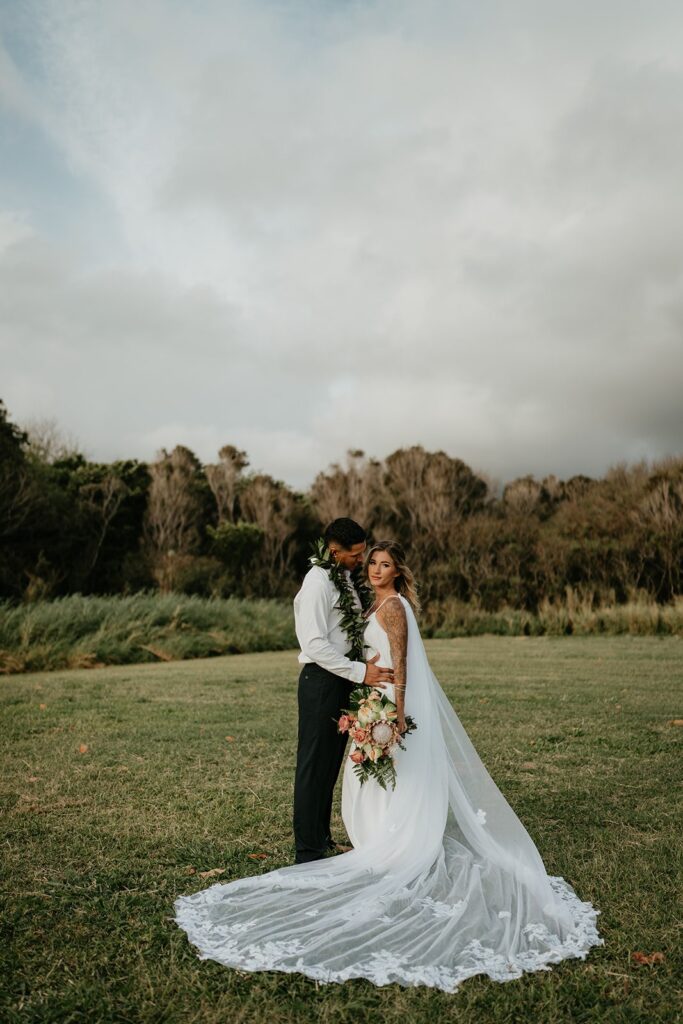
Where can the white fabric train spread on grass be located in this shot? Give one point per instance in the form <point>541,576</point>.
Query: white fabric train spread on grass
<point>445,881</point>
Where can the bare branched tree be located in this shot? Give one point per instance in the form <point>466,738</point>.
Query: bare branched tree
<point>224,480</point>
<point>473,555</point>
<point>522,496</point>
<point>430,490</point>
<point>355,491</point>
<point>172,525</point>
<point>47,442</point>
<point>17,499</point>
<point>104,498</point>
<point>273,508</point>
<point>660,516</point>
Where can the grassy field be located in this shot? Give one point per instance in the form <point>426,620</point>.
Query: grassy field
<point>120,785</point>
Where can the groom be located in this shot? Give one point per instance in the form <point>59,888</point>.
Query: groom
<point>326,680</point>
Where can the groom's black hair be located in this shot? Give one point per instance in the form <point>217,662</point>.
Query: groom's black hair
<point>346,532</point>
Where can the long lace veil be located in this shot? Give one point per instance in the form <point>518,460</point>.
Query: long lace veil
<point>451,885</point>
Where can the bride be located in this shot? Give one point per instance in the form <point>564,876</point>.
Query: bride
<point>443,881</point>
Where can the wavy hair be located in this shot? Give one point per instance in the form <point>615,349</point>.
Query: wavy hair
<point>405,581</point>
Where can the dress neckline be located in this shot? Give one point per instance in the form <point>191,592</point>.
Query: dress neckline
<point>388,598</point>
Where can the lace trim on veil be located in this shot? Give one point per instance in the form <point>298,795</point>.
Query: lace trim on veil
<point>383,966</point>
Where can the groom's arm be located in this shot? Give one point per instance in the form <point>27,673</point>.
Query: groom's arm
<point>311,625</point>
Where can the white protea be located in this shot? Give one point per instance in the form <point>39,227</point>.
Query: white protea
<point>381,733</point>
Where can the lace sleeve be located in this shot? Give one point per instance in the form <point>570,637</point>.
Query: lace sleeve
<point>392,618</point>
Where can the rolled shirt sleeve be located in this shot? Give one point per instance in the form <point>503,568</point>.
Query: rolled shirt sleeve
<point>312,609</point>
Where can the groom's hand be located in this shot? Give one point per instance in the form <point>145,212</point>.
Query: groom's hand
<point>377,675</point>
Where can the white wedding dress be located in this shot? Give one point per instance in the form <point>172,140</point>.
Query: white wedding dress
<point>444,882</point>
<point>364,808</point>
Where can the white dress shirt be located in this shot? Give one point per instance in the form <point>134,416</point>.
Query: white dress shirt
<point>318,626</point>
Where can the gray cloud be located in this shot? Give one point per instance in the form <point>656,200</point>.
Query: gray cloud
<point>355,226</point>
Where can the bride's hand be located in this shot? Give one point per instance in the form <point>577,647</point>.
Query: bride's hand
<point>401,722</point>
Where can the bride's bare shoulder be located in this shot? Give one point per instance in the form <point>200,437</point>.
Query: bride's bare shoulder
<point>392,613</point>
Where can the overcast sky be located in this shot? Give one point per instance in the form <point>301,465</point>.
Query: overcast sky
<point>304,227</point>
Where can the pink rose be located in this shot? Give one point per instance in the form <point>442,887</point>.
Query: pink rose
<point>344,723</point>
<point>360,735</point>
<point>357,756</point>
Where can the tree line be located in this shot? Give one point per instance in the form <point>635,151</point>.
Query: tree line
<point>71,525</point>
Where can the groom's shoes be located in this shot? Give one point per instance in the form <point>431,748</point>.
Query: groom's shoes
<point>331,848</point>
<point>338,848</point>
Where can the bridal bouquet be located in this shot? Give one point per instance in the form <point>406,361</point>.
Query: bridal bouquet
<point>371,724</point>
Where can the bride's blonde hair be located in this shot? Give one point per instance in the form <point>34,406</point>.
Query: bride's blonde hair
<point>405,581</point>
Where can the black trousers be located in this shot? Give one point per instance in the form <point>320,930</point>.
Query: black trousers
<point>320,752</point>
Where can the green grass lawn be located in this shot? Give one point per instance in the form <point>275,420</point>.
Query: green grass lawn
<point>120,785</point>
